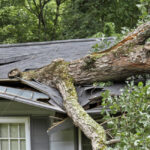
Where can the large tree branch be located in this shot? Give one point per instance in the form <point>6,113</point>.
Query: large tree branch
<point>126,58</point>
<point>92,129</point>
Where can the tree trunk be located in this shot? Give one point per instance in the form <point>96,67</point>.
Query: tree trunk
<point>128,57</point>
<point>55,22</point>
<point>92,129</point>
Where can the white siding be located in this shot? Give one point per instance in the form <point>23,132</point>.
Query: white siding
<point>63,140</point>
<point>12,108</point>
<point>39,137</point>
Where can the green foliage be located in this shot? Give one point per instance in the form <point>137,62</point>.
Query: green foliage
<point>20,21</point>
<point>40,20</point>
<point>86,18</point>
<point>102,45</point>
<point>129,119</point>
<point>145,10</point>
<point>106,44</point>
<point>16,25</point>
<point>109,29</point>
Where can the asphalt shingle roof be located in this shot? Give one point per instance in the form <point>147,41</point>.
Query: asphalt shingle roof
<point>36,55</point>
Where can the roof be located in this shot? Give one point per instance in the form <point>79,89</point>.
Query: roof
<point>35,55</point>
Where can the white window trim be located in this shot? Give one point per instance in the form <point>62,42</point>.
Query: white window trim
<point>79,139</point>
<point>26,121</point>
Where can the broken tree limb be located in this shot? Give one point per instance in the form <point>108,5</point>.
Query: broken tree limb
<point>91,128</point>
<point>113,141</point>
<point>128,57</point>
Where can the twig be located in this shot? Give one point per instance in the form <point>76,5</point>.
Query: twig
<point>109,134</point>
<point>110,119</point>
<point>113,141</point>
<point>57,118</point>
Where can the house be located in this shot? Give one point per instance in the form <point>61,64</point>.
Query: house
<point>32,116</point>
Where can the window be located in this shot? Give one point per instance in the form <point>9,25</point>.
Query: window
<point>84,142</point>
<point>14,133</point>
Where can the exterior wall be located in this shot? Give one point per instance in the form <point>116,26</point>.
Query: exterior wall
<point>39,121</point>
<point>11,108</point>
<point>63,140</point>
<point>39,136</point>
<point>86,143</point>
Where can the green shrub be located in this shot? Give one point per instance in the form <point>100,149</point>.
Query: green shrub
<point>129,119</point>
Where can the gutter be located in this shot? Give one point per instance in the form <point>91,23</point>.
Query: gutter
<point>31,102</point>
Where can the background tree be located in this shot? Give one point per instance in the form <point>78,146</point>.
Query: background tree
<point>84,18</point>
<point>45,20</point>
<point>37,8</point>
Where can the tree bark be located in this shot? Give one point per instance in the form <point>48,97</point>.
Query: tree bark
<point>55,22</point>
<point>128,57</point>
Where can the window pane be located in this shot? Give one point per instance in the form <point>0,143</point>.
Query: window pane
<point>13,134</point>
<point>22,130</point>
<point>4,144</point>
<point>22,145</point>
<point>4,130</point>
<point>13,130</point>
<point>14,145</point>
<point>86,143</point>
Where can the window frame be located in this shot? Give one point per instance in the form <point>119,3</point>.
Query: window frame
<point>79,139</point>
<point>26,121</point>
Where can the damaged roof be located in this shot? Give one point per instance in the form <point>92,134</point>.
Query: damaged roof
<point>36,55</point>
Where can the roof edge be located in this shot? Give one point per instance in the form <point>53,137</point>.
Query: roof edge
<point>31,102</point>
<point>54,42</point>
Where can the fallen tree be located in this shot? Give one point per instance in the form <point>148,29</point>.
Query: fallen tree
<point>128,57</point>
